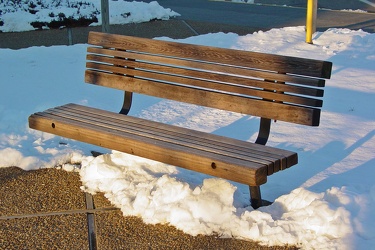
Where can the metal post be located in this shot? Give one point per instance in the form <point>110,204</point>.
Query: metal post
<point>312,6</point>
<point>70,36</point>
<point>91,222</point>
<point>105,16</point>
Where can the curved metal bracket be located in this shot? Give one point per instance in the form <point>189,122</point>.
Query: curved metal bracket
<point>264,131</point>
<point>128,97</point>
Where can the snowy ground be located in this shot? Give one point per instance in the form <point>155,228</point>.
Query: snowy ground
<point>325,202</point>
<point>19,16</point>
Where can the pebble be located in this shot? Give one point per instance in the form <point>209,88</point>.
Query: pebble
<point>50,190</point>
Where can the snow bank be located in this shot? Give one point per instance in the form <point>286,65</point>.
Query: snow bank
<point>20,16</point>
<point>148,189</point>
<point>323,203</point>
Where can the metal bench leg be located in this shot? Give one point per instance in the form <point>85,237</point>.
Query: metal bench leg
<point>128,97</point>
<point>264,131</point>
<point>255,197</point>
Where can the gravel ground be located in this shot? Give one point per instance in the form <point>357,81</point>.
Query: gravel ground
<point>45,190</point>
<point>52,190</point>
<point>46,232</point>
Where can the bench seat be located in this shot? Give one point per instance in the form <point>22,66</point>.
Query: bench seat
<point>219,156</point>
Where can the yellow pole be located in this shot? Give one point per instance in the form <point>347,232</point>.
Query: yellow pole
<point>312,6</point>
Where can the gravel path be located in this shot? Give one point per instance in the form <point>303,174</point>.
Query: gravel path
<point>35,193</point>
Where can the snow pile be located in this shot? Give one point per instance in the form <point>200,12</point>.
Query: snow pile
<point>325,202</point>
<point>145,188</point>
<point>27,15</point>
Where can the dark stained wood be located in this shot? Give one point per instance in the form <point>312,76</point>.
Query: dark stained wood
<point>229,155</point>
<point>277,63</point>
<point>180,76</point>
<point>272,87</point>
<point>223,166</point>
<point>248,78</point>
<point>269,86</point>
<point>101,54</point>
<point>220,100</point>
<point>179,135</point>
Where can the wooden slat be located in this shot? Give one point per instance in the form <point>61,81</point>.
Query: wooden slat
<point>241,80</point>
<point>269,86</point>
<point>181,136</point>
<point>230,88</point>
<point>225,69</point>
<point>224,167</point>
<point>182,131</point>
<point>258,158</point>
<point>240,104</point>
<point>287,64</point>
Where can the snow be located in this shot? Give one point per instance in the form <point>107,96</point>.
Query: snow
<point>17,17</point>
<point>325,202</point>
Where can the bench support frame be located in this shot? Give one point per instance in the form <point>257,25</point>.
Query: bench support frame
<point>128,97</point>
<point>263,135</point>
<point>264,131</point>
<point>255,197</point>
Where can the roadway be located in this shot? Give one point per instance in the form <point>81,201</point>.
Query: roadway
<point>264,14</point>
<point>204,16</point>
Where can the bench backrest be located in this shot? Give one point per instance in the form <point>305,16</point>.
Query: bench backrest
<point>264,85</point>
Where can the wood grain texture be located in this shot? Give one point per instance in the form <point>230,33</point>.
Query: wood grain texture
<point>204,81</point>
<point>196,139</point>
<point>269,86</point>
<point>218,156</point>
<point>277,63</point>
<point>99,54</point>
<point>220,100</point>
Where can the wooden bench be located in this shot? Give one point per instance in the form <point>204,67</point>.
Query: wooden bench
<point>272,87</point>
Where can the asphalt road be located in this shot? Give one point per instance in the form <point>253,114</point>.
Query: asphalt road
<point>366,5</point>
<point>204,16</point>
<point>264,14</point>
